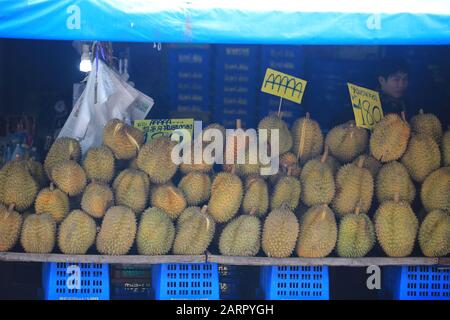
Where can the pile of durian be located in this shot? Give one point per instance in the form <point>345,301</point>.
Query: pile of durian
<point>342,194</point>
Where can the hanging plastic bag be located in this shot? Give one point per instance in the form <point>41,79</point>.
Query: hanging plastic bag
<point>106,96</point>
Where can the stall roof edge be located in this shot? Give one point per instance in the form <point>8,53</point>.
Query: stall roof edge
<point>199,21</point>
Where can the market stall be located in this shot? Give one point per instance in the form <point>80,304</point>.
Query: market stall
<point>223,36</point>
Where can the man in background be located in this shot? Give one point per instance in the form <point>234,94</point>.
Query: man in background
<point>393,83</point>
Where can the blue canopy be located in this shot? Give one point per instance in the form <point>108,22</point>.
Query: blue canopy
<point>230,21</point>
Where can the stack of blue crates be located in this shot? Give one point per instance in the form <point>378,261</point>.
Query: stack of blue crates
<point>295,283</point>
<point>193,281</point>
<point>416,283</point>
<point>235,68</point>
<point>75,281</point>
<point>286,59</point>
<point>326,96</point>
<point>189,79</point>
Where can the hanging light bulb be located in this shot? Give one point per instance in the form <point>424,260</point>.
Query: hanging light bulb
<point>85,64</point>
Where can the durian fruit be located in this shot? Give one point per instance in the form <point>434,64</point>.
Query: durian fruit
<point>207,141</point>
<point>318,232</point>
<point>52,201</point>
<point>317,181</point>
<point>202,167</point>
<point>428,124</point>
<point>354,186</point>
<point>156,233</point>
<point>123,139</point>
<point>347,141</point>
<point>422,156</point>
<point>155,159</point>
<point>287,160</point>
<point>131,188</point>
<point>241,237</point>
<point>396,227</point>
<point>38,233</point>
<point>389,138</point>
<point>233,146</point>
<point>77,233</point>
<point>308,139</point>
<point>194,232</point>
<point>196,187</point>
<point>280,233</point>
<point>435,192</point>
<point>274,122</point>
<point>356,235</point>
<point>62,149</point>
<point>434,234</point>
<point>118,230</point>
<point>393,179</point>
<point>371,164</point>
<point>97,199</point>
<point>445,146</point>
<point>10,225</point>
<point>287,191</point>
<point>99,164</point>
<point>226,196</point>
<point>70,177</point>
<point>18,186</point>
<point>168,198</point>
<point>256,197</point>
<point>37,171</point>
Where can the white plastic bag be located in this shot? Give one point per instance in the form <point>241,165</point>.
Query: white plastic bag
<point>106,96</point>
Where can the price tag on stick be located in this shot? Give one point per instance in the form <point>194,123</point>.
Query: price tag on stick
<point>366,106</point>
<point>283,85</point>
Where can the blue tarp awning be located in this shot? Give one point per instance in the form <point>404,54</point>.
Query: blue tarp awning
<point>230,21</point>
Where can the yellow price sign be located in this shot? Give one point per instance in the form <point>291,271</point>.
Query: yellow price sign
<point>153,128</point>
<point>283,85</point>
<point>366,106</point>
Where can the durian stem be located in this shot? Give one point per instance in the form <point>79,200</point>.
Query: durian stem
<point>52,186</point>
<point>279,107</point>
<point>308,115</point>
<point>204,209</point>
<point>11,207</point>
<point>281,115</point>
<point>404,116</point>
<point>421,111</point>
<point>238,124</point>
<point>233,169</point>
<point>361,161</point>
<point>289,171</point>
<point>253,211</point>
<point>358,207</point>
<point>302,141</point>
<point>396,197</point>
<point>325,154</point>
<point>133,140</point>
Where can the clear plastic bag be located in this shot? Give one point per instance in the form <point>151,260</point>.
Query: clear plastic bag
<point>106,96</point>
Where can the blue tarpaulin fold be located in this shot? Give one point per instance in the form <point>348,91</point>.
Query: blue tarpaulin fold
<point>232,21</point>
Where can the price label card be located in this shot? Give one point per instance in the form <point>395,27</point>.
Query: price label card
<point>283,85</point>
<point>366,106</point>
<point>153,128</point>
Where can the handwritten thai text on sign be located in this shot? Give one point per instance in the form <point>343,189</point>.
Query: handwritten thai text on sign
<point>163,127</point>
<point>283,85</point>
<point>366,106</point>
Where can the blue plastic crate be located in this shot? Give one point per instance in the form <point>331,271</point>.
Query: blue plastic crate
<point>193,281</point>
<point>75,281</point>
<point>416,283</point>
<point>295,283</point>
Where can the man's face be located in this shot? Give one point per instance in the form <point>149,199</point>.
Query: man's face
<point>395,85</point>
